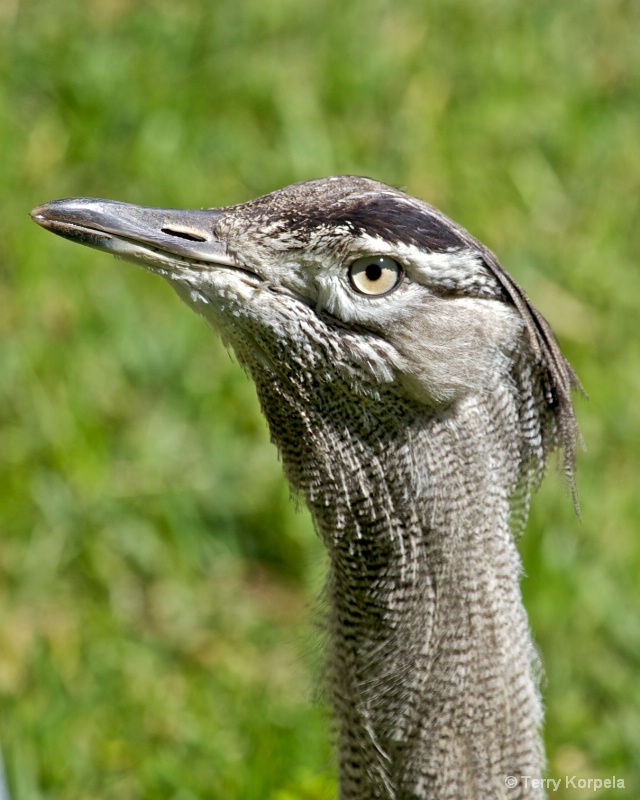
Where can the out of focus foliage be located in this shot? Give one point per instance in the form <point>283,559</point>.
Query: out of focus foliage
<point>156,584</point>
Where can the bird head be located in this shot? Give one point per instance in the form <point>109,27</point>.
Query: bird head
<point>342,280</point>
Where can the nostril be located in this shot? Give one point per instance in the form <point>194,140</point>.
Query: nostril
<point>192,237</point>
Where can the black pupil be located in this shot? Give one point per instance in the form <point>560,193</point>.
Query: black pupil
<point>373,272</point>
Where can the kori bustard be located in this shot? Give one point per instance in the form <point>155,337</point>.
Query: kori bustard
<point>415,395</point>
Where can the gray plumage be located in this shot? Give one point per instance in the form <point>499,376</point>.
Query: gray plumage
<point>416,422</point>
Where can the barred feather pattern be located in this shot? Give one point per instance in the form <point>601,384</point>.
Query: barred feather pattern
<point>432,667</point>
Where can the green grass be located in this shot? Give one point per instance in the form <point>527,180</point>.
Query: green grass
<point>156,585</point>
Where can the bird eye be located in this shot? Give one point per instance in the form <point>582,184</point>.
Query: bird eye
<point>375,275</point>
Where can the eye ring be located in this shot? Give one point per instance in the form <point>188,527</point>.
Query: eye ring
<point>375,276</point>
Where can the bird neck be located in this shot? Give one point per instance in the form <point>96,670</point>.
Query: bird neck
<point>431,661</point>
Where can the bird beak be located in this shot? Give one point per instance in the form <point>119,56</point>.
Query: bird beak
<point>153,237</point>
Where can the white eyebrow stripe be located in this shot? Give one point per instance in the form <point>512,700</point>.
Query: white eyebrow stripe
<point>460,265</point>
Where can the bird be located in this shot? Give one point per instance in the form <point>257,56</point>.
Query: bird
<point>415,396</point>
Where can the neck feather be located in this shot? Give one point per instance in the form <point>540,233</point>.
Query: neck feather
<point>432,666</point>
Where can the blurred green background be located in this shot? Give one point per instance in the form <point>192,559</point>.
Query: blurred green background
<point>156,585</point>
